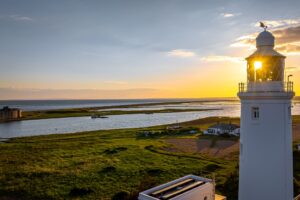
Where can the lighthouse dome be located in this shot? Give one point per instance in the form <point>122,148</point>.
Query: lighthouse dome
<point>265,38</point>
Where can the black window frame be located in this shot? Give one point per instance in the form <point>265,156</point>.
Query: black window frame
<point>255,113</point>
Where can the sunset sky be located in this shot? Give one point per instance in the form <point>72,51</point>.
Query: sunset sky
<point>87,49</point>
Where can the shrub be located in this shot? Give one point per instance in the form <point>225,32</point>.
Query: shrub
<point>115,150</point>
<point>79,192</point>
<point>122,195</point>
<point>108,169</point>
<point>212,167</point>
<point>154,172</point>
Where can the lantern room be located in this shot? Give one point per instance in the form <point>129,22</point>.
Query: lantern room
<point>265,64</point>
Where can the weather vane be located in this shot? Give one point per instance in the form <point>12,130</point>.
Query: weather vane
<point>263,25</point>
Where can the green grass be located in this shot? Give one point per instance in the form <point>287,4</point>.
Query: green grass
<point>101,164</point>
<point>95,165</point>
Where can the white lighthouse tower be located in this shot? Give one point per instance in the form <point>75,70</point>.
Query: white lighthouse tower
<point>266,160</point>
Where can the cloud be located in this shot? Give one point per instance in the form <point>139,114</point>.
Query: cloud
<point>245,41</point>
<point>286,32</point>
<point>226,15</point>
<point>229,15</point>
<point>275,24</point>
<point>181,53</point>
<point>290,48</point>
<point>287,35</point>
<point>223,59</point>
<point>20,18</point>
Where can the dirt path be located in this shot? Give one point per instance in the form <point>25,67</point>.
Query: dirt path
<point>221,148</point>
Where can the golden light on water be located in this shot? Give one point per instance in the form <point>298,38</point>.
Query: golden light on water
<point>257,65</point>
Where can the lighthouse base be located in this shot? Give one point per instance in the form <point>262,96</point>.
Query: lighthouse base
<point>266,160</point>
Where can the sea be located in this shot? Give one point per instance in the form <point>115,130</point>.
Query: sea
<point>229,107</point>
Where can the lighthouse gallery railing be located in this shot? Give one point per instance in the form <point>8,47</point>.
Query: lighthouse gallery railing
<point>287,87</point>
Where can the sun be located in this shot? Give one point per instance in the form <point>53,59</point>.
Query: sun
<point>257,65</point>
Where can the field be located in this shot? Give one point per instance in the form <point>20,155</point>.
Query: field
<point>115,164</point>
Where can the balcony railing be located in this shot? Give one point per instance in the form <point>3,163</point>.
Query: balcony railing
<point>242,87</point>
<point>260,87</point>
<point>289,86</point>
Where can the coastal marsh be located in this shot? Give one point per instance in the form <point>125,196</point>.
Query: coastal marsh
<point>110,163</point>
<point>98,165</point>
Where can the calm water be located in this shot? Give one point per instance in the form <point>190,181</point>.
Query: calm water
<point>30,105</point>
<point>79,124</point>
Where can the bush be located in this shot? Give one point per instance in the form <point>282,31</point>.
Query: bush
<point>115,150</point>
<point>122,195</point>
<point>154,172</point>
<point>108,169</point>
<point>212,167</point>
<point>230,186</point>
<point>79,192</point>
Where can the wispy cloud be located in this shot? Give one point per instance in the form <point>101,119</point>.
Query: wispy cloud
<point>287,33</point>
<point>181,53</point>
<point>229,15</point>
<point>245,41</point>
<point>275,24</point>
<point>290,48</point>
<point>223,59</point>
<point>20,18</point>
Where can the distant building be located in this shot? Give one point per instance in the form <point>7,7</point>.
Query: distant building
<point>189,187</point>
<point>7,114</point>
<point>218,129</point>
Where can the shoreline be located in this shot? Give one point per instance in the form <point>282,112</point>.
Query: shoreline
<point>191,123</point>
<point>35,115</point>
<point>102,110</point>
<point>99,159</point>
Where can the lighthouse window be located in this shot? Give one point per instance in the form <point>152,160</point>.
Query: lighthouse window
<point>265,69</point>
<point>255,112</point>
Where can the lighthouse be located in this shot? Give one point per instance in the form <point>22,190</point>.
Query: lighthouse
<point>266,159</point>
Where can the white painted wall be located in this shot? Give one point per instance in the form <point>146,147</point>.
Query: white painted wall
<point>266,171</point>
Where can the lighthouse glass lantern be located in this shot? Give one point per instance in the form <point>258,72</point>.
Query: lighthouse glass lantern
<point>266,160</point>
<point>265,65</point>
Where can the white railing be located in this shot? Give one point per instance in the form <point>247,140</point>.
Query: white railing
<point>242,87</point>
<point>287,87</point>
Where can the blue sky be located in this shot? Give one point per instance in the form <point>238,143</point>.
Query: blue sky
<point>171,47</point>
